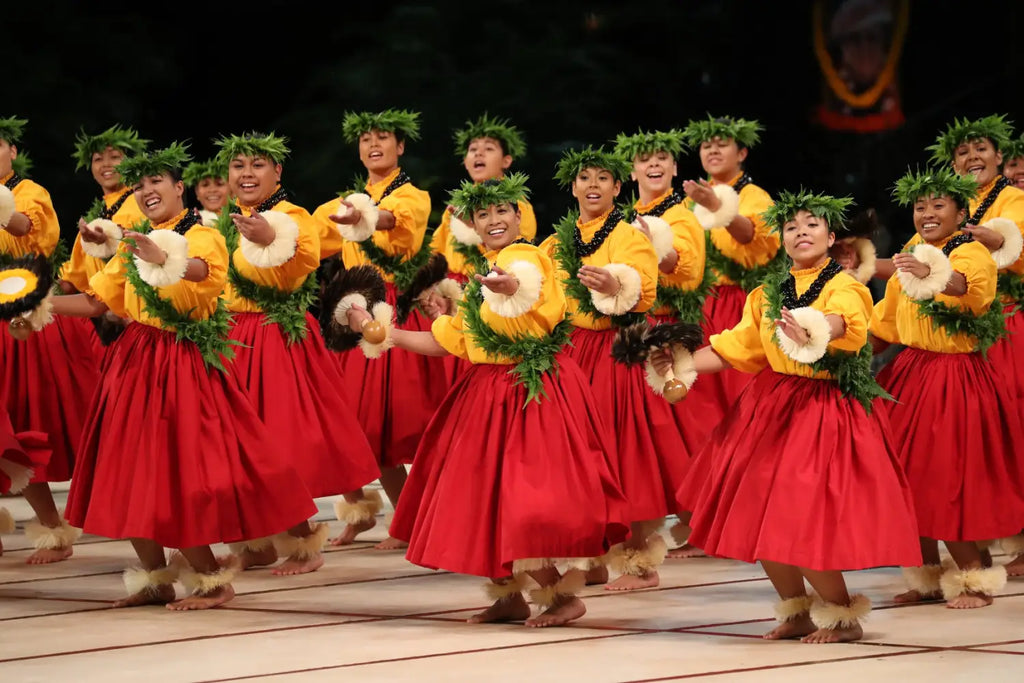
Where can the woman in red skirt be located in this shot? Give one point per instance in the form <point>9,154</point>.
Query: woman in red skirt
<point>801,476</point>
<point>294,382</point>
<point>611,274</point>
<point>955,423</point>
<point>174,454</point>
<point>396,395</point>
<point>20,455</point>
<point>47,379</point>
<point>531,485</point>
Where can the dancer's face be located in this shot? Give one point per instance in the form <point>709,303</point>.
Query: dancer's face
<point>807,239</point>
<point>978,157</point>
<point>654,172</point>
<point>160,197</point>
<point>212,193</point>
<point>379,151</point>
<point>497,225</point>
<point>936,218</point>
<point>253,179</point>
<point>596,189</point>
<point>485,159</point>
<point>8,153</point>
<point>1014,170</point>
<point>722,159</point>
<point>103,169</point>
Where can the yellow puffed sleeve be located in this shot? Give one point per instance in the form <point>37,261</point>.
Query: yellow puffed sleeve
<point>448,332</point>
<point>129,214</point>
<point>765,244</point>
<point>688,243</point>
<point>108,285</point>
<point>34,201</point>
<point>80,268</point>
<point>630,247</point>
<point>1009,204</point>
<point>206,244</point>
<point>975,263</point>
<point>527,220</point>
<point>411,207</point>
<point>883,315</point>
<point>851,301</point>
<point>331,240</point>
<point>741,347</point>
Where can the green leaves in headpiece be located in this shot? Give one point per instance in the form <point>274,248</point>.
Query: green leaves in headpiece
<point>744,132</point>
<point>486,127</point>
<point>406,123</point>
<point>124,139</point>
<point>787,204</point>
<point>252,144</point>
<point>1013,149</point>
<point>574,161</point>
<point>201,170</point>
<point>171,158</point>
<point>472,196</point>
<point>22,165</point>
<point>632,146</point>
<point>11,129</point>
<point>935,182</point>
<point>995,127</point>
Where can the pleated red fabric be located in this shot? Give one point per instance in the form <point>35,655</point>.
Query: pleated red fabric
<point>1007,357</point>
<point>723,309</point>
<point>19,451</point>
<point>494,482</point>
<point>957,433</point>
<point>395,395</point>
<point>46,384</point>
<point>799,474</point>
<point>175,453</point>
<point>647,445</point>
<point>297,390</point>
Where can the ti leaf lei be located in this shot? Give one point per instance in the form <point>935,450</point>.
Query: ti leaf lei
<point>851,371</point>
<point>747,278</point>
<point>570,262</point>
<point>286,309</point>
<point>1012,285</point>
<point>403,270</point>
<point>209,334</point>
<point>471,252</point>
<point>536,355</point>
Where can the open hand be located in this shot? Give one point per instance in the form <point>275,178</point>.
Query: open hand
<point>791,328</point>
<point>92,235</point>
<point>991,239</point>
<point>499,282</point>
<point>140,245</point>
<point>254,228</point>
<point>347,214</point>
<point>599,280</point>
<point>702,193</point>
<point>908,264</point>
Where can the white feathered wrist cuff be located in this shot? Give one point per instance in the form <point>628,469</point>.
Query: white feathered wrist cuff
<point>661,235</point>
<point>867,255</point>
<point>1006,255</point>
<point>346,303</point>
<point>683,369</point>
<point>725,214</point>
<point>520,302</point>
<point>281,250</point>
<point>171,271</point>
<point>936,280</point>
<point>368,215</point>
<point>111,230</point>
<point>462,233</point>
<point>628,294</point>
<point>450,290</point>
<point>7,206</point>
<point>209,218</point>
<point>819,334</point>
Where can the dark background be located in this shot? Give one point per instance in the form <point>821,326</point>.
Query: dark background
<point>567,73</point>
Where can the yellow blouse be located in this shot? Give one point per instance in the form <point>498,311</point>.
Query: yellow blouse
<point>80,268</point>
<point>33,200</point>
<point>625,245</point>
<point>1009,204</point>
<point>759,251</point>
<point>898,319</point>
<point>411,207</point>
<point>688,242</point>
<point>286,277</point>
<point>198,299</point>
<point>547,311</point>
<point>751,345</point>
<point>443,241</point>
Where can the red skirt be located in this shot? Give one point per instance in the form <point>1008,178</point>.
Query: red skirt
<point>648,443</point>
<point>20,454</point>
<point>494,482</point>
<point>1007,358</point>
<point>723,309</point>
<point>46,383</point>
<point>297,390</point>
<point>176,453</point>
<point>799,474</point>
<point>958,435</point>
<point>396,395</point>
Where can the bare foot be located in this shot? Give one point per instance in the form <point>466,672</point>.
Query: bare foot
<point>293,566</point>
<point>208,601</point>
<point>248,559</point>
<point>1013,568</point>
<point>835,635</point>
<point>156,595</point>
<point>513,608</point>
<point>794,628</point>
<point>597,575</point>
<point>915,596</point>
<point>50,555</point>
<point>348,536</point>
<point>629,582</point>
<point>391,544</point>
<point>684,551</point>
<point>559,615</point>
<point>969,601</point>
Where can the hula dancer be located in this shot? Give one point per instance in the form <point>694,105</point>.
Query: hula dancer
<point>533,487</point>
<point>1013,161</point>
<point>801,476</point>
<point>202,467</point>
<point>941,304</point>
<point>209,180</point>
<point>280,358</point>
<point>396,395</point>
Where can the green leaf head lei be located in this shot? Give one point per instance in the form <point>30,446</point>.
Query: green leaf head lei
<point>935,182</point>
<point>745,132</point>
<point>473,196</point>
<point>252,144</point>
<point>199,171</point>
<point>632,146</point>
<point>126,140</point>
<point>994,127</point>
<point>403,123</point>
<point>171,159</point>
<point>574,161</point>
<point>831,209</point>
<point>502,130</point>
<point>11,129</point>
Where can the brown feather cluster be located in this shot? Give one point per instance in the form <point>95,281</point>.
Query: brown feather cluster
<point>364,280</point>
<point>435,270</point>
<point>633,343</point>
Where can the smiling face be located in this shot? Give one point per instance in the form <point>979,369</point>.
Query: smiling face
<point>722,159</point>
<point>8,153</point>
<point>497,225</point>
<point>1014,170</point>
<point>212,193</point>
<point>654,172</point>
<point>936,218</point>
<point>160,197</point>
<point>807,239</point>
<point>595,189</point>
<point>485,159</point>
<point>103,169</point>
<point>253,179</point>
<point>978,157</point>
<point>379,151</point>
